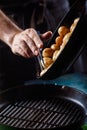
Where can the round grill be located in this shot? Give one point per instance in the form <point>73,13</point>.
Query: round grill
<point>41,113</point>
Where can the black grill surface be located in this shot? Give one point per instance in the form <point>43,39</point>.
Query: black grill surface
<point>40,113</point>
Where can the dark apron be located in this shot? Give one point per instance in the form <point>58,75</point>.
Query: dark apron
<point>14,69</point>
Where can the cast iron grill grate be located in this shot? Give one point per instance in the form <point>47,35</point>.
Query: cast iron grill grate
<point>40,113</point>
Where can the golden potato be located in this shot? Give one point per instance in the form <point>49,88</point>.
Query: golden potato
<point>63,30</point>
<point>55,47</point>
<point>76,20</point>
<point>47,52</point>
<point>55,55</point>
<point>66,38</point>
<point>47,61</point>
<point>59,40</point>
<point>72,27</point>
<point>43,71</point>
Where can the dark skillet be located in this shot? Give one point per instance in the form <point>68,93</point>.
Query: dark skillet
<point>42,106</point>
<point>74,46</point>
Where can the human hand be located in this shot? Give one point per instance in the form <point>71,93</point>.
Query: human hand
<point>27,43</point>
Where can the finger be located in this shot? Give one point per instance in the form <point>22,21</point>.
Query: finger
<point>30,45</point>
<point>46,36</point>
<point>33,35</point>
<point>24,47</point>
<point>21,49</point>
<point>21,52</point>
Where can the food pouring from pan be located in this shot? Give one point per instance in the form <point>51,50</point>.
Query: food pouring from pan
<point>66,44</point>
<point>50,54</point>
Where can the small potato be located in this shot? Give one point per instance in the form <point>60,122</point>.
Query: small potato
<point>59,40</point>
<point>66,38</point>
<point>76,20</point>
<point>63,30</point>
<point>47,61</point>
<point>72,27</point>
<point>55,55</point>
<point>43,71</point>
<point>47,52</point>
<point>55,47</point>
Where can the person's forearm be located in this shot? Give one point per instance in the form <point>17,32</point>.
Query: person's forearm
<point>7,29</point>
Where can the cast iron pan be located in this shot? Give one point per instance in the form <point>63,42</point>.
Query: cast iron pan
<point>42,106</point>
<point>74,46</point>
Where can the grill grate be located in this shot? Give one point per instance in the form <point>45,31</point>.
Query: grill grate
<point>40,113</point>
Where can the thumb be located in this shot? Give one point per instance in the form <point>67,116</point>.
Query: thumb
<point>45,36</point>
